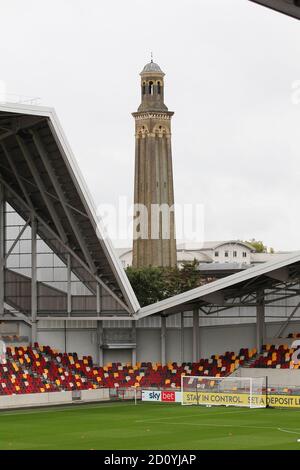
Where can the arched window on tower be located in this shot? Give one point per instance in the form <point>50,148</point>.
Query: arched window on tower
<point>158,88</point>
<point>150,88</point>
<point>144,88</point>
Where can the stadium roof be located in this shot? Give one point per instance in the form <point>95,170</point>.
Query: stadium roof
<point>288,7</point>
<point>279,274</point>
<point>41,177</point>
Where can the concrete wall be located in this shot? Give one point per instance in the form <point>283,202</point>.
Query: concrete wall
<point>275,376</point>
<point>117,355</point>
<point>9,328</point>
<point>148,345</point>
<point>53,398</point>
<point>82,341</point>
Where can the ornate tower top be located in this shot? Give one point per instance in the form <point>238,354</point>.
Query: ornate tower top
<point>152,68</point>
<point>152,88</point>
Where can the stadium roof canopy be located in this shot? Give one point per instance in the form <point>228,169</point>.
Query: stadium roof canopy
<point>288,7</point>
<point>40,177</point>
<point>279,277</point>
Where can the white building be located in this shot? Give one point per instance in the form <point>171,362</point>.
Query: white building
<point>230,254</point>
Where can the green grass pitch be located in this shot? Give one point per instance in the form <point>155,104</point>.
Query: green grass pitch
<point>155,426</point>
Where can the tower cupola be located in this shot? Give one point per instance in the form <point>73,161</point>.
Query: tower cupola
<point>152,88</point>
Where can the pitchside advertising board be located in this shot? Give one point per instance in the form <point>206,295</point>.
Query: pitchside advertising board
<point>161,396</point>
<point>229,399</point>
<point>241,399</point>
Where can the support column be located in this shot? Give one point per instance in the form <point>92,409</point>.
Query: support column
<point>195,335</point>
<point>33,279</point>
<point>182,337</point>
<point>2,248</point>
<point>98,299</point>
<point>163,339</point>
<point>260,320</point>
<point>133,353</point>
<point>100,342</point>
<point>69,291</point>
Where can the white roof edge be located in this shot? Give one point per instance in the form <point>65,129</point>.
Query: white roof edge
<point>26,108</point>
<point>219,285</point>
<point>115,263</point>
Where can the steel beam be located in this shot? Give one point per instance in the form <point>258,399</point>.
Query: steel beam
<point>260,320</point>
<point>285,324</point>
<point>33,280</point>
<point>2,247</point>
<point>100,342</point>
<point>42,189</point>
<point>16,241</point>
<point>17,176</point>
<point>196,335</point>
<point>133,352</point>
<point>98,299</point>
<point>69,285</point>
<point>44,156</point>
<point>182,337</point>
<point>163,333</point>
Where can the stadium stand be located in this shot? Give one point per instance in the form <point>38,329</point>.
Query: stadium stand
<point>276,356</point>
<point>40,369</point>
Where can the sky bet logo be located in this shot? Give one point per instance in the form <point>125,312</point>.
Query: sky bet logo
<point>167,396</point>
<point>154,396</point>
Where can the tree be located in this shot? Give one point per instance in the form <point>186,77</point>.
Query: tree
<point>257,245</point>
<point>147,284</point>
<point>152,284</point>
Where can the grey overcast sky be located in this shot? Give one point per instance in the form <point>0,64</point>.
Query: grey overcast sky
<point>230,66</point>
